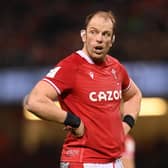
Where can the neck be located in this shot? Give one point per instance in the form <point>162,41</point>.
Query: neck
<point>95,60</point>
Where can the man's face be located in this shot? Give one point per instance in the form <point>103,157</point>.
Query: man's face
<point>98,37</point>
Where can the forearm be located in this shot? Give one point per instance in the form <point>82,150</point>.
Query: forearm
<point>47,110</point>
<point>130,110</point>
<point>132,106</point>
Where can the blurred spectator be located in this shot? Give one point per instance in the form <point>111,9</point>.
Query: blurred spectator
<point>30,30</point>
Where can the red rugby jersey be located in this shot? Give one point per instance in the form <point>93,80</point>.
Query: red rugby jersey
<point>93,93</point>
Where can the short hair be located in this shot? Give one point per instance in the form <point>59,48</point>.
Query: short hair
<point>106,14</point>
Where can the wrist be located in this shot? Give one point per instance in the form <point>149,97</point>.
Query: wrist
<point>129,120</point>
<point>72,120</point>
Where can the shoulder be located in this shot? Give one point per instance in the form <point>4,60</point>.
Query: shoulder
<point>116,64</point>
<point>114,61</point>
<point>72,60</point>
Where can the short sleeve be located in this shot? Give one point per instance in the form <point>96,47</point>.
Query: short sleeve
<point>62,76</point>
<point>125,78</point>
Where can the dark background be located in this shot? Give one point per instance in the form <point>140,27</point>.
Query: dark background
<point>36,34</point>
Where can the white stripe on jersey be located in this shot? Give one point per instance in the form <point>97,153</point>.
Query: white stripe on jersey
<point>56,88</point>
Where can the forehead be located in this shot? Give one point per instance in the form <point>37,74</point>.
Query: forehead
<point>101,23</point>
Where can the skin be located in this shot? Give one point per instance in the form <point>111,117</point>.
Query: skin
<point>97,40</point>
<point>128,162</point>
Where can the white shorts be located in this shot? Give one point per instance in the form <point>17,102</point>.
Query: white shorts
<point>116,164</point>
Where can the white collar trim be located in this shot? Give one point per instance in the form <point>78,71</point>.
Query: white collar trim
<point>85,56</point>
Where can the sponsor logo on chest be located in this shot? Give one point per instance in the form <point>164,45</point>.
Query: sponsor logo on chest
<point>109,95</point>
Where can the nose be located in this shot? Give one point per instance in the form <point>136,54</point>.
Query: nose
<point>99,37</point>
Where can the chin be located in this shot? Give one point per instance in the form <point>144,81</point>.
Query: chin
<point>98,59</point>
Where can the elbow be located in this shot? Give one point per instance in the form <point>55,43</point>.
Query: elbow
<point>29,103</point>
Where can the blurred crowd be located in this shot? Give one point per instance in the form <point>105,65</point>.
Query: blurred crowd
<point>41,32</point>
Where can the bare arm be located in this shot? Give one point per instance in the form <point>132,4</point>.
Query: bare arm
<point>131,103</point>
<point>41,102</point>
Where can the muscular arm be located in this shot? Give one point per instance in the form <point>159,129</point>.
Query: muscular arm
<point>40,101</point>
<point>131,103</point>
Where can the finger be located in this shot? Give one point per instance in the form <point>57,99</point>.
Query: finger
<point>67,128</point>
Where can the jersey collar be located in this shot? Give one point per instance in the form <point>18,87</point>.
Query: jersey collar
<point>85,56</point>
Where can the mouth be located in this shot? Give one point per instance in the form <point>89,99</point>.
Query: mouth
<point>98,49</point>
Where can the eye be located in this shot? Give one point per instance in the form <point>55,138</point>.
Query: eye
<point>107,34</point>
<point>92,31</point>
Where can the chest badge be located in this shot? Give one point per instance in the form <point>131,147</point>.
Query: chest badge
<point>113,71</point>
<point>91,74</point>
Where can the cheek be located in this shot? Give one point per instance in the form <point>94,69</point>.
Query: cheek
<point>89,42</point>
<point>109,44</point>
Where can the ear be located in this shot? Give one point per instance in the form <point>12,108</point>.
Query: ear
<point>83,35</point>
<point>113,38</point>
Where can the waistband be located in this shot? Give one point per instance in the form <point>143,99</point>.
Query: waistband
<point>114,164</point>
